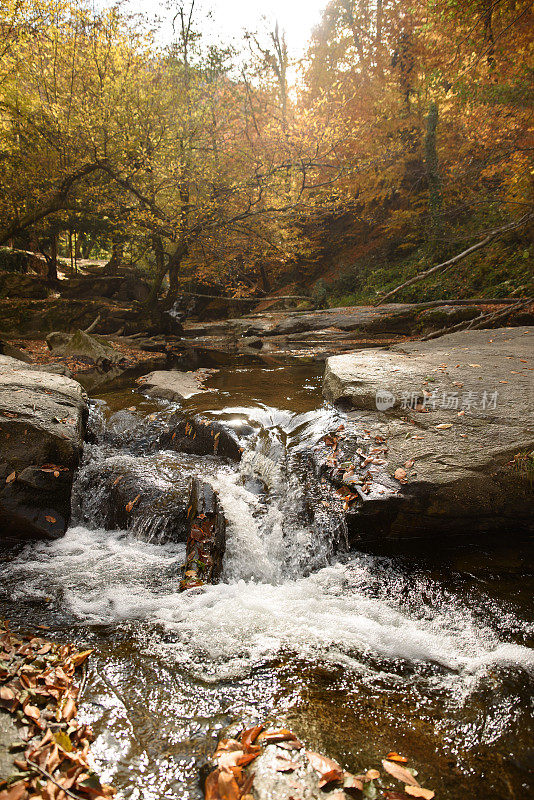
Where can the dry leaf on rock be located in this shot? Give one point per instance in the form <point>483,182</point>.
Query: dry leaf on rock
<point>227,786</point>
<point>329,777</point>
<point>322,764</point>
<point>249,735</point>
<point>418,791</point>
<point>351,781</point>
<point>400,474</point>
<point>400,773</point>
<point>284,764</point>
<point>272,737</point>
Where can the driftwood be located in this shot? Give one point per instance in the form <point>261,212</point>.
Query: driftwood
<point>481,321</point>
<point>206,541</point>
<point>446,264</point>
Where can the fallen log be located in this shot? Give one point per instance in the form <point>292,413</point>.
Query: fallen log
<point>206,541</point>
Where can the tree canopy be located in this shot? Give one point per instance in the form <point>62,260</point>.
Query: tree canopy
<point>406,128</point>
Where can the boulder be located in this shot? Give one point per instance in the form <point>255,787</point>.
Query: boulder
<point>42,425</point>
<point>120,287</point>
<point>15,284</point>
<point>172,384</point>
<point>200,436</point>
<point>82,344</point>
<point>148,494</point>
<point>449,424</point>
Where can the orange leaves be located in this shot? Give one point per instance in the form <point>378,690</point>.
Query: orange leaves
<point>132,503</point>
<point>249,736</point>
<point>396,757</point>
<point>11,477</point>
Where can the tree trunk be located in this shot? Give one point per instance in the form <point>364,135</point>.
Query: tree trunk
<point>435,199</point>
<point>117,254</point>
<point>265,279</point>
<point>175,262</point>
<point>52,261</point>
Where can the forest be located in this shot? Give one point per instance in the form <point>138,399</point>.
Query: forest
<point>400,139</point>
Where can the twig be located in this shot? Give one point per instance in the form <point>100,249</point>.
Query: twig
<point>50,778</point>
<point>93,325</point>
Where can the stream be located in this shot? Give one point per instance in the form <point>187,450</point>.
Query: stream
<point>429,655</point>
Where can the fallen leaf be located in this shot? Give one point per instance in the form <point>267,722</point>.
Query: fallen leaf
<point>117,480</point>
<point>351,781</point>
<point>372,775</point>
<point>48,518</point>
<point>32,712</point>
<point>328,777</point>
<point>17,791</point>
<point>11,477</point>
<point>249,736</point>
<point>400,773</point>
<point>131,504</point>
<point>475,365</point>
<point>418,791</point>
<point>409,464</point>
<point>443,426</point>
<point>400,474</point>
<point>322,764</point>
<point>396,757</point>
<point>227,786</point>
<point>78,658</point>
<point>285,765</point>
<point>271,737</point>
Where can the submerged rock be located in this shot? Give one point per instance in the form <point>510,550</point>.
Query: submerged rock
<point>451,421</point>
<point>172,384</point>
<point>42,425</point>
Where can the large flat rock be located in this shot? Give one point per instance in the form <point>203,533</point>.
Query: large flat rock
<point>456,415</point>
<point>42,426</point>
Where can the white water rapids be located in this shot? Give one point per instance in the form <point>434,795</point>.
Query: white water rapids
<point>281,592</point>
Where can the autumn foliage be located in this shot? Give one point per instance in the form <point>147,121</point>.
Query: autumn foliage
<point>404,133</point>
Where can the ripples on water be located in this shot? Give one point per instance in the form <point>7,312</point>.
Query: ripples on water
<point>290,630</point>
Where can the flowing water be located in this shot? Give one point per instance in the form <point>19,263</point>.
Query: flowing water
<point>359,654</point>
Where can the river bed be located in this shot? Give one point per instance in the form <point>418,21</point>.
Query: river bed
<point>428,654</point>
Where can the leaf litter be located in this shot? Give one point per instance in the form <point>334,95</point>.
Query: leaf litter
<point>37,688</point>
<point>304,773</point>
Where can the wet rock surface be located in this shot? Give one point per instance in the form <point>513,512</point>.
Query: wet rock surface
<point>200,436</point>
<point>42,424</point>
<point>455,414</point>
<point>172,384</point>
<point>206,540</point>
